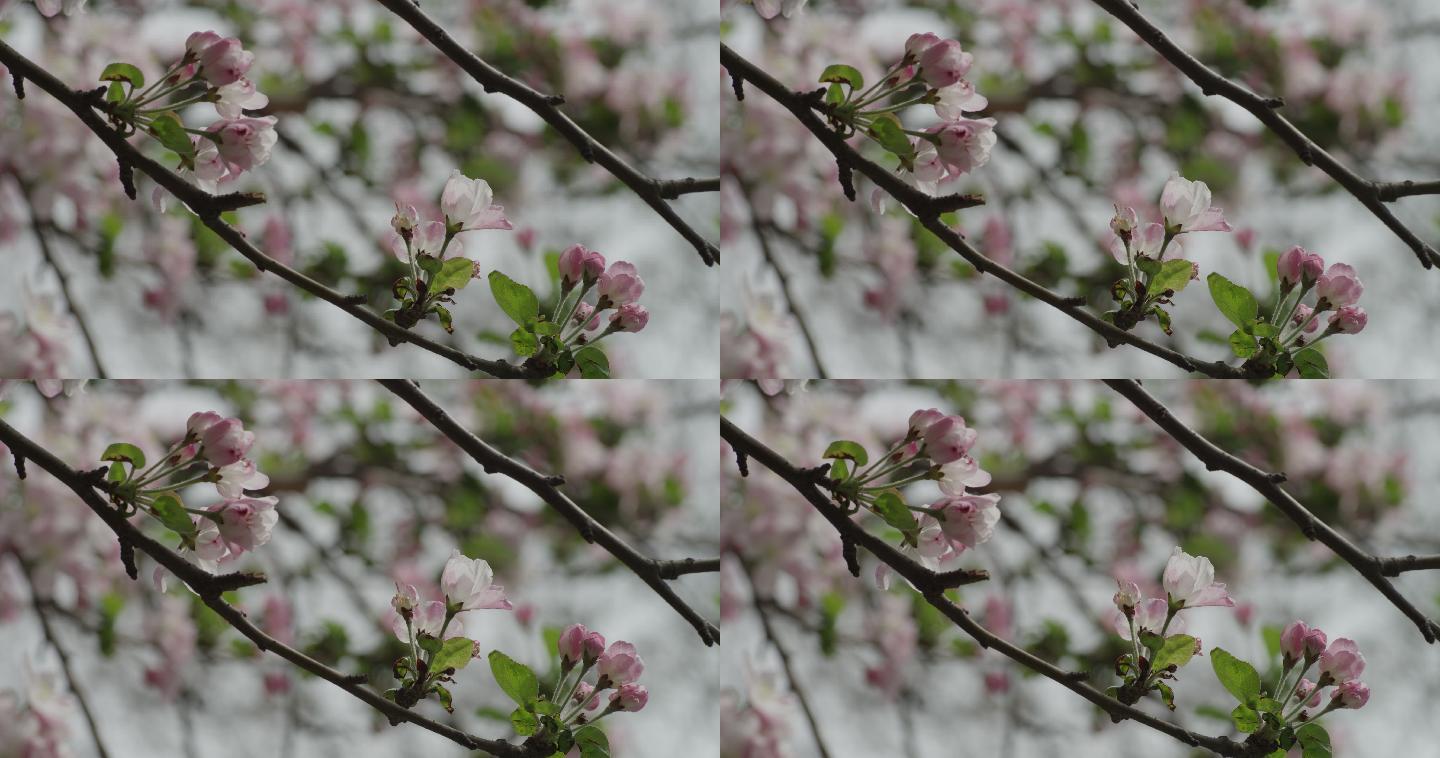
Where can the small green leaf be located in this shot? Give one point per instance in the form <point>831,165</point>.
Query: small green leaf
<point>447,322</point>
<point>444,696</point>
<point>518,302</point>
<point>515,678</point>
<point>523,722</point>
<point>1177,651</point>
<point>172,514</point>
<point>1173,275</point>
<point>891,507</point>
<point>124,452</point>
<point>167,128</point>
<point>1314,741</point>
<point>592,362</point>
<point>429,264</point>
<point>1263,329</point>
<point>843,74</point>
<point>1268,705</point>
<point>116,93</point>
<point>429,643</point>
<point>455,653</point>
<point>1311,364</point>
<point>839,471</point>
<point>1245,718</point>
<point>117,473</point>
<point>1238,677</point>
<point>454,274</point>
<point>835,94</point>
<point>1242,344</point>
<point>1148,266</point>
<point>123,72</point>
<point>1235,302</point>
<point>547,329</point>
<point>845,449</point>
<point>592,742</point>
<point>887,130</point>
<point>524,343</point>
<point>1166,694</point>
<point>1151,642</point>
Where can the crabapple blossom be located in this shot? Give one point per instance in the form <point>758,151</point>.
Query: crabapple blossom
<point>406,599</point>
<point>955,101</point>
<point>1349,319</point>
<point>918,43</point>
<point>572,643</point>
<point>244,142</point>
<point>1306,692</point>
<point>630,317</point>
<point>1302,318</point>
<point>1299,266</point>
<point>619,664</point>
<point>969,519</point>
<point>1127,597</point>
<point>224,61</point>
<point>1341,662</point>
<point>405,220</point>
<point>1150,616</point>
<point>948,439</point>
<point>1185,204</point>
<point>620,284</point>
<point>200,421</point>
<point>1338,286</point>
<point>239,476</point>
<point>1351,694</point>
<point>578,264</point>
<point>1300,641</point>
<point>468,205</point>
<point>1190,582</point>
<point>1125,222</point>
<point>632,697</point>
<point>921,420</point>
<point>429,619</point>
<point>592,647</point>
<point>226,442</point>
<point>944,63</point>
<point>469,585</point>
<point>237,97</point>
<point>964,144</point>
<point>584,693</point>
<point>246,523</point>
<point>768,9</point>
<point>585,314</point>
<point>961,473</point>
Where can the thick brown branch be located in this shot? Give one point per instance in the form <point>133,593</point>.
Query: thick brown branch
<point>1392,191</point>
<point>1268,485</point>
<point>671,189</point>
<point>545,106</point>
<point>1266,109</point>
<point>546,487</point>
<point>803,482</point>
<point>928,209</point>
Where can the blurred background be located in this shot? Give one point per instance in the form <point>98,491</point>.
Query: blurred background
<point>369,494</point>
<point>1090,490</point>
<point>369,113</point>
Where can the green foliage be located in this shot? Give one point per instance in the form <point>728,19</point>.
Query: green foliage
<point>848,450</point>
<point>455,653</point>
<point>173,515</point>
<point>840,73</point>
<point>123,72</point>
<point>1235,302</point>
<point>518,302</point>
<point>124,452</point>
<point>515,678</point>
<point>1238,677</point>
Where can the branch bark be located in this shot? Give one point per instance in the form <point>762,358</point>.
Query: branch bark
<point>651,571</point>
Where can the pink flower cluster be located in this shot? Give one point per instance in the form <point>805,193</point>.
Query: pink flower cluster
<point>1188,581</point>
<point>960,519</point>
<point>958,144</point>
<point>1341,665</point>
<point>39,728</point>
<point>1184,207</point>
<point>619,286</point>
<point>466,205</point>
<point>466,584</point>
<point>618,666</point>
<point>1337,289</point>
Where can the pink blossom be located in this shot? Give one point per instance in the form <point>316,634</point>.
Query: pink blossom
<point>1150,617</point>
<point>246,523</point>
<point>1352,694</point>
<point>1302,315</point>
<point>620,664</point>
<point>1306,692</point>
<point>956,100</point>
<point>578,264</point>
<point>198,41</point>
<point>620,284</point>
<point>1350,319</point>
<point>948,439</point>
<point>918,43</point>
<point>1299,266</point>
<point>467,204</point>
<point>237,97</point>
<point>630,317</point>
<point>630,697</point>
<point>592,647</point>
<point>1127,596</point>
<point>961,473</point>
<point>1338,286</point>
<point>1341,662</point>
<point>921,420</point>
<point>944,63</point>
<point>405,220</point>
<point>200,421</point>
<point>226,442</point>
<point>969,519</point>
<point>1124,222</point>
<point>572,643</point>
<point>428,619</point>
<point>245,142</point>
<point>238,477</point>
<point>585,314</point>
<point>224,62</point>
<point>1186,207</point>
<point>406,599</point>
<point>1190,581</point>
<point>469,584</point>
<point>585,693</point>
<point>965,143</point>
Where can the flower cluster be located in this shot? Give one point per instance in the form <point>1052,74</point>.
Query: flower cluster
<point>212,70</point>
<point>1151,281</point>
<point>213,450</point>
<point>619,286</point>
<point>434,631</point>
<point>1341,665</point>
<point>1153,628</point>
<point>1336,289</point>
<point>617,667</point>
<point>38,726</point>
<point>466,205</point>
<point>936,447</point>
<point>931,72</point>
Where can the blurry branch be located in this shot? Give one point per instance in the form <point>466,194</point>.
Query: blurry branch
<point>805,482</point>
<point>653,572</point>
<point>671,189</point>
<point>210,588</point>
<point>1392,191</point>
<point>1371,194</point>
<point>75,689</point>
<point>38,226</point>
<point>208,208</point>
<point>545,106</point>
<point>774,640</point>
<point>1267,484</point>
<point>773,261</point>
<point>928,209</point>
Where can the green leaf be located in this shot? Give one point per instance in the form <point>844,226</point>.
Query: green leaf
<point>116,93</point>
<point>447,322</point>
<point>1148,266</point>
<point>1268,705</point>
<point>455,653</point>
<point>1242,344</point>
<point>839,471</point>
<point>1173,275</point>
<point>845,449</point>
<point>592,742</point>
<point>1238,677</point>
<point>124,452</point>
<point>173,515</point>
<point>843,74</point>
<point>167,128</point>
<point>429,264</point>
<point>1151,642</point>
<point>428,643</point>
<point>518,302</point>
<point>454,274</point>
<point>1235,302</point>
<point>444,696</point>
<point>835,94</point>
<point>1311,364</point>
<point>547,328</point>
<point>890,507</point>
<point>1245,718</point>
<point>524,342</point>
<point>515,678</point>
<point>886,130</point>
<point>1177,651</point>
<point>1264,329</point>
<point>1314,741</point>
<point>117,473</point>
<point>123,72</point>
<point>592,362</point>
<point>524,722</point>
<point>1166,694</point>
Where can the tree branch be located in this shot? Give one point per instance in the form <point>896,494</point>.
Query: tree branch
<point>803,480</point>
<point>928,209</point>
<point>1266,109</point>
<point>544,106</point>
<point>208,208</point>
<point>209,587</point>
<point>1268,485</point>
<point>546,487</point>
<point>37,225</point>
<point>671,189</point>
<point>1392,191</point>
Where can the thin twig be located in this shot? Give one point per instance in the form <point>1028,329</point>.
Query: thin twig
<point>546,487</point>
<point>773,261</point>
<point>671,189</point>
<point>545,106</point>
<point>1267,484</point>
<point>38,225</point>
<point>1392,191</point>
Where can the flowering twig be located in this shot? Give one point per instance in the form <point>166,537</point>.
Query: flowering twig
<point>928,210</point>
<point>210,587</point>
<point>1267,484</point>
<point>1370,194</point>
<point>545,106</point>
<point>493,461</point>
<point>803,481</point>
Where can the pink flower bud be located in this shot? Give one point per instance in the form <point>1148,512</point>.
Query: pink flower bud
<point>1341,662</point>
<point>919,43</point>
<point>948,439</point>
<point>226,442</point>
<point>1125,221</point>
<point>620,284</point>
<point>200,421</point>
<point>1302,316</point>
<point>1350,319</point>
<point>584,693</point>
<point>198,41</point>
<point>631,317</point>
<point>572,643</point>
<point>944,63</point>
<point>922,419</point>
<point>1128,596</point>
<point>1352,694</point>
<point>593,647</point>
<point>406,599</point>
<point>1299,266</point>
<point>620,664</point>
<point>1306,692</point>
<point>630,697</point>
<point>585,314</point>
<point>405,220</point>
<point>225,62</point>
<point>1339,286</point>
<point>1292,640</point>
